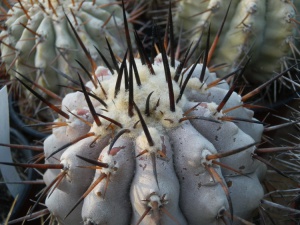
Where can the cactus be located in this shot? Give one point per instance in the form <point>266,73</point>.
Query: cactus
<point>153,141</point>
<point>156,157</point>
<point>37,38</point>
<point>265,30</point>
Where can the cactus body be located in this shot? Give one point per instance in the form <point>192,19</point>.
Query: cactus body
<point>153,165</point>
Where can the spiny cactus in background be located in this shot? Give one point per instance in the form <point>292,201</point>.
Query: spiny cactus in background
<point>36,37</point>
<point>153,141</point>
<point>153,9</point>
<point>265,30</point>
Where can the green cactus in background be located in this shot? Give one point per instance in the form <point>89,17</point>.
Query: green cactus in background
<point>37,37</point>
<point>266,30</point>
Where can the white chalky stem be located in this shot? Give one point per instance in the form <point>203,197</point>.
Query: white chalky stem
<point>227,136</point>
<point>197,186</point>
<point>114,207</point>
<point>216,95</point>
<point>60,203</point>
<point>144,184</point>
<point>78,179</point>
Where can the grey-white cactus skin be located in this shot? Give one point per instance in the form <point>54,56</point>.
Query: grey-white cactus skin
<point>101,204</point>
<point>156,166</point>
<point>266,30</point>
<point>38,40</point>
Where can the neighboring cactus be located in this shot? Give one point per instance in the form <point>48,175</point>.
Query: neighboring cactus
<point>266,30</point>
<point>37,37</point>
